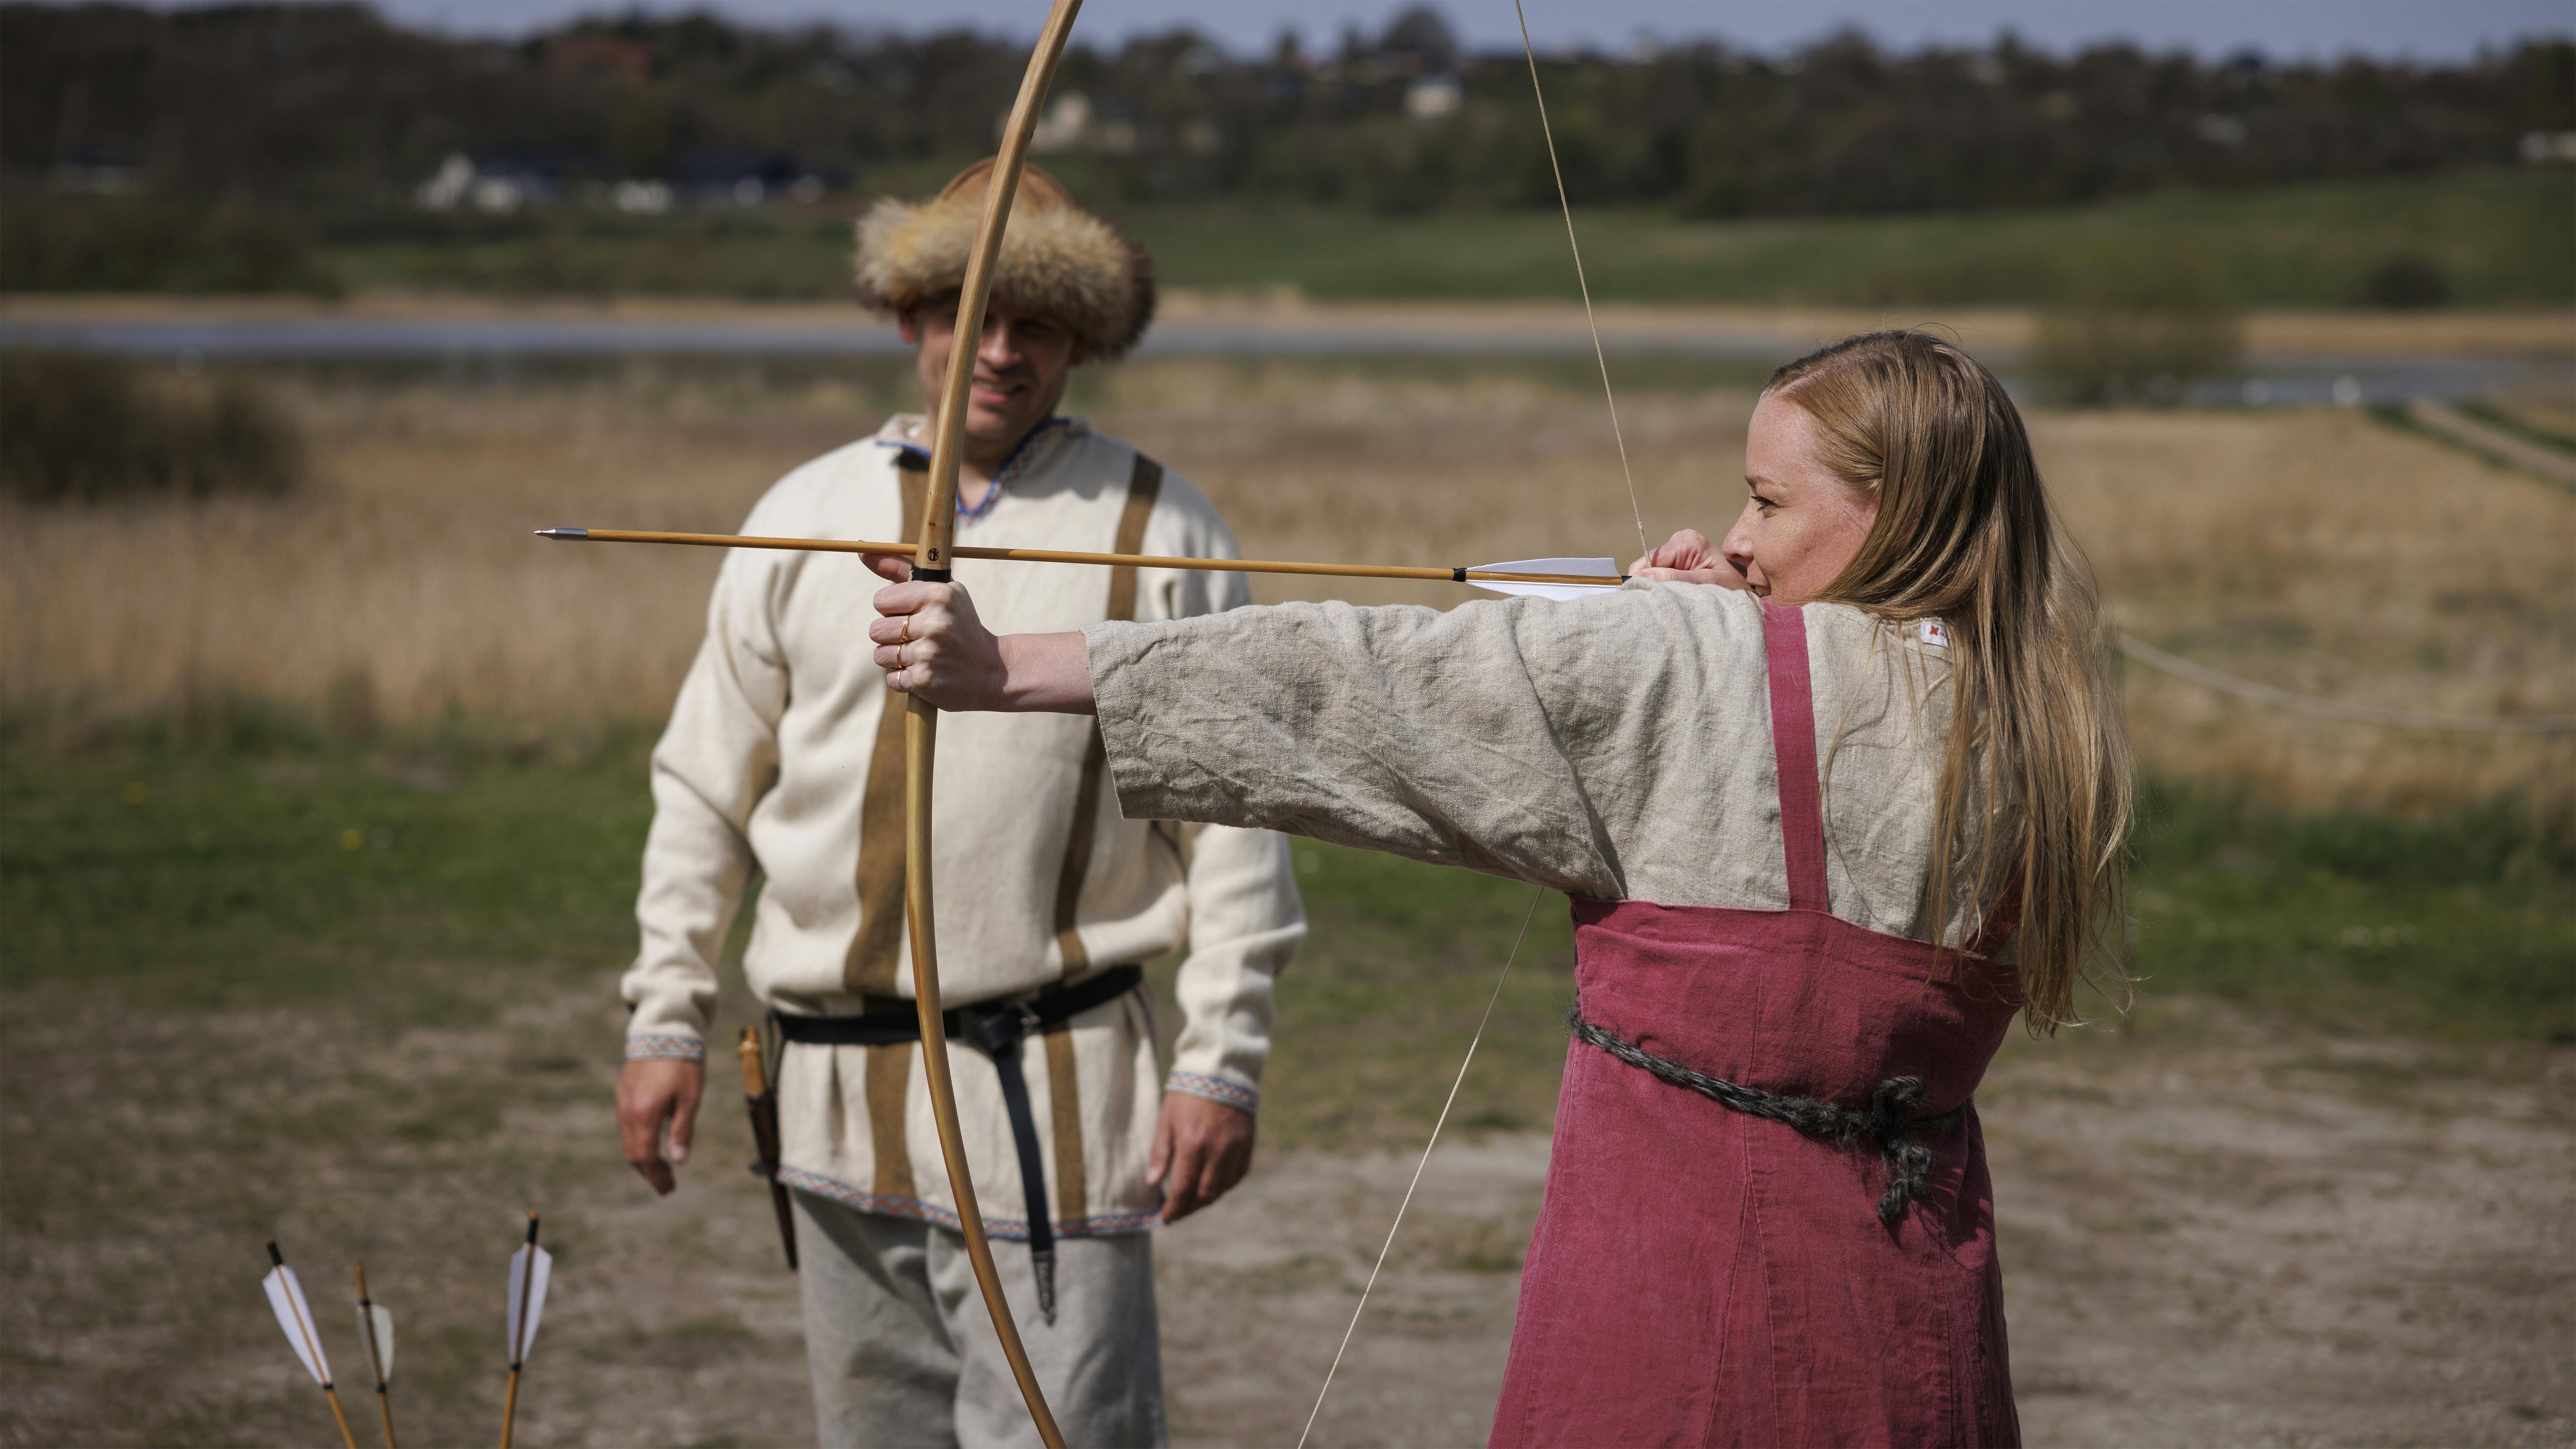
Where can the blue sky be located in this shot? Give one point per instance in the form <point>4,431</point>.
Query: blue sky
<point>2422,29</point>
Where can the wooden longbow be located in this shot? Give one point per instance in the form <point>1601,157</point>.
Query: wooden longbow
<point>921,718</point>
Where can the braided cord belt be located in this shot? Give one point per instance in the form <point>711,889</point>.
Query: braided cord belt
<point>1909,1163</point>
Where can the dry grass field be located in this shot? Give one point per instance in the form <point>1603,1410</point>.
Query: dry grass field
<point>2314,550</point>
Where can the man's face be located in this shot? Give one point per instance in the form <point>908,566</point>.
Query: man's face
<point>1020,368</point>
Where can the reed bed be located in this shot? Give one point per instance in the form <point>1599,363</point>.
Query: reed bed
<point>2314,550</point>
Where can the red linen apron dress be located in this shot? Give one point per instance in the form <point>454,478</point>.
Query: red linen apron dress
<point>1700,1276</point>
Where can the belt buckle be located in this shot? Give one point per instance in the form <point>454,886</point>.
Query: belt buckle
<point>997,1028</point>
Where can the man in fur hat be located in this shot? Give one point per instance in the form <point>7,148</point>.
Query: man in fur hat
<point>785,756</point>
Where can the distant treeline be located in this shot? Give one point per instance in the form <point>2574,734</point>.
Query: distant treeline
<point>329,109</point>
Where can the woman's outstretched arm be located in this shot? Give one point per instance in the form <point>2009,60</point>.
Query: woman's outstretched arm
<point>1545,741</point>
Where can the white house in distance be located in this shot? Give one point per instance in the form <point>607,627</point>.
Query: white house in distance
<point>2542,147</point>
<point>494,186</point>
<point>746,177</point>
<point>1434,97</point>
<point>1070,123</point>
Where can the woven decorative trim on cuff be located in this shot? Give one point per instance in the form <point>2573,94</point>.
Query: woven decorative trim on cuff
<point>1215,1089</point>
<point>679,1048</point>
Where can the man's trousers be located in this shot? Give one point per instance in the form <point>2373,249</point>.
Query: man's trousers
<point>904,1355</point>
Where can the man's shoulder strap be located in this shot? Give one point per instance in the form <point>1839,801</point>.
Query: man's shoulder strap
<point>1144,486</point>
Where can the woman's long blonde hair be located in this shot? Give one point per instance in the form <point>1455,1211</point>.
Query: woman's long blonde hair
<point>2037,769</point>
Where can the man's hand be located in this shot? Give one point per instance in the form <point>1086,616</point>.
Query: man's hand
<point>1201,1150</point>
<point>1689,558</point>
<point>652,1092</point>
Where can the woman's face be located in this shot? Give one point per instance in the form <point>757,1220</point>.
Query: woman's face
<point>1801,524</point>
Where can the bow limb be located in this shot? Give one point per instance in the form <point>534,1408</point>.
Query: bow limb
<point>921,721</point>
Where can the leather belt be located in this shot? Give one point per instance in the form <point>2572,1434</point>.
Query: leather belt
<point>995,1028</point>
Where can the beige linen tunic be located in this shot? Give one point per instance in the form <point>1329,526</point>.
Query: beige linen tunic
<point>1617,746</point>
<point>785,755</point>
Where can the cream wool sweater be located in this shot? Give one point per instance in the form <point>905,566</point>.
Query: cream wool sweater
<point>784,755</point>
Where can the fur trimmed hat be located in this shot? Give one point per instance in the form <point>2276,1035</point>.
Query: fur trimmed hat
<point>1056,259</point>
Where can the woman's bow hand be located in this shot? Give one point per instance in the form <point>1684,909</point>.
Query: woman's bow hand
<point>1688,558</point>
<point>929,642</point>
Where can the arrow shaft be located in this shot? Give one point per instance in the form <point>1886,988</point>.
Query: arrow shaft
<point>519,1331</point>
<point>375,1354</point>
<point>376,1360</point>
<point>312,1344</point>
<point>1070,556</point>
<point>375,1351</point>
<point>342,1419</point>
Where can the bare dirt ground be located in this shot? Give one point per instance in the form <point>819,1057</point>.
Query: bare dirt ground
<point>2217,1230</point>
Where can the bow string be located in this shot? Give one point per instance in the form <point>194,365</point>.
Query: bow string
<point>1609,397</point>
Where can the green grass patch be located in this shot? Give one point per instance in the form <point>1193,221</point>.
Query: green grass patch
<point>2494,237</point>
<point>185,879</point>
<point>2499,238</point>
<point>226,877</point>
<point>754,257</point>
<point>2460,926</point>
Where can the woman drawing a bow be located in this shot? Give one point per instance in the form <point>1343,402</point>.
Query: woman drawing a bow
<point>1827,827</point>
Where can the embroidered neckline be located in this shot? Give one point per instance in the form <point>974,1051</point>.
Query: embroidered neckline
<point>1012,467</point>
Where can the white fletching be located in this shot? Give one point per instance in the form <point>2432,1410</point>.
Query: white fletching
<point>376,1331</point>
<point>1607,568</point>
<point>523,1331</point>
<point>286,1300</point>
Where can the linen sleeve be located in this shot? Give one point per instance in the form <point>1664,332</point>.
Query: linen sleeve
<point>715,761</point>
<point>1518,737</point>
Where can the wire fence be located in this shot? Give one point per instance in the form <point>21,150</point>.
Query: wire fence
<point>2278,698</point>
